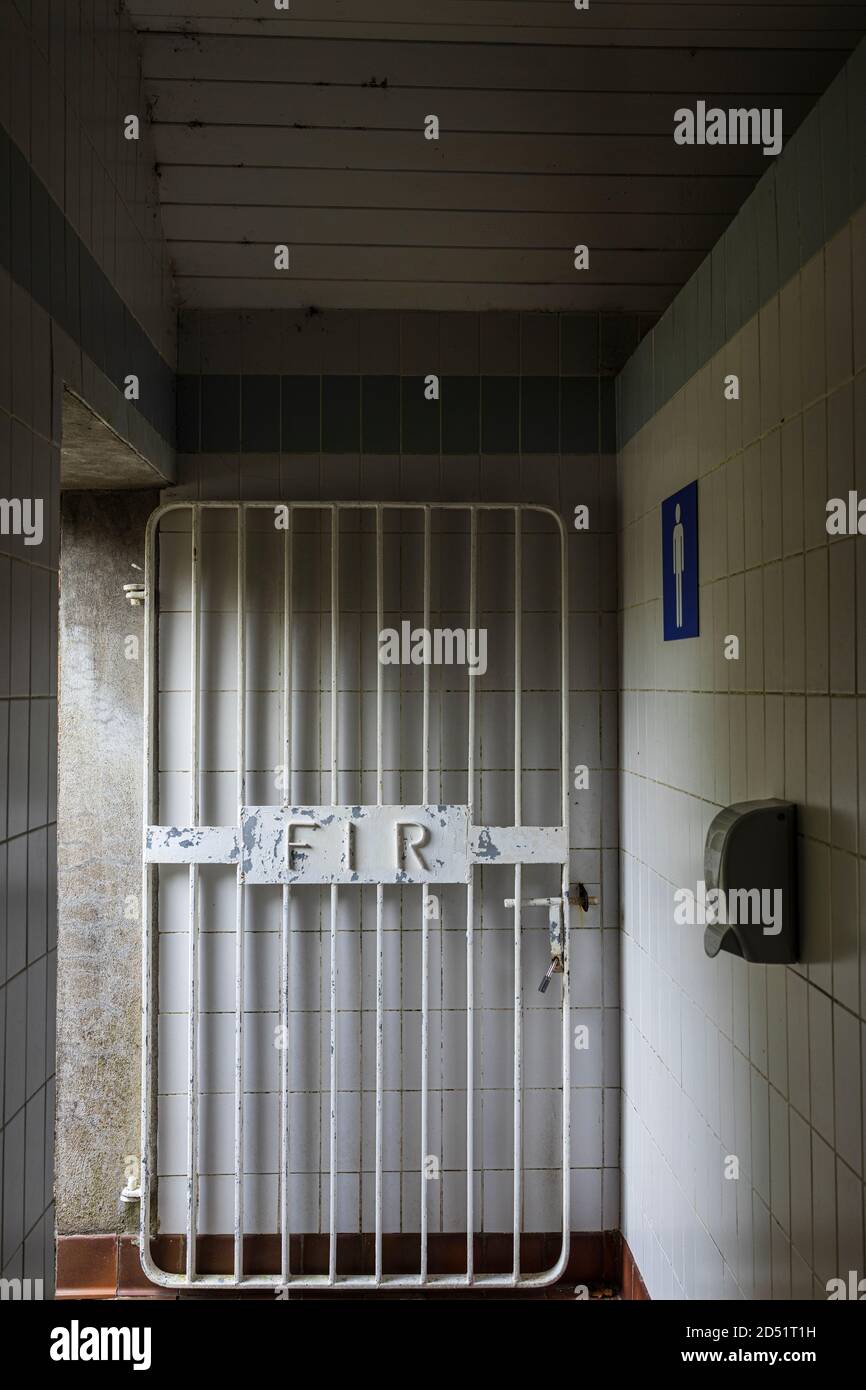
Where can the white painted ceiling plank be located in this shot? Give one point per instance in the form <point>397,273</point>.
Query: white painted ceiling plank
<point>466,265</point>
<point>350,188</point>
<point>364,294</point>
<point>178,101</point>
<point>404,152</point>
<point>409,227</point>
<point>477,67</point>
<point>512,21</point>
<point>721,38</point>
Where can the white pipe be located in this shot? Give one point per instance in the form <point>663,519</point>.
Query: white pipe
<point>148,937</point>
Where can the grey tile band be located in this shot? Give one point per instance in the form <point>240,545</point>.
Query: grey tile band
<point>235,413</point>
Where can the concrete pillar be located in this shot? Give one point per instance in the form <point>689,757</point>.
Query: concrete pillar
<point>99,857</point>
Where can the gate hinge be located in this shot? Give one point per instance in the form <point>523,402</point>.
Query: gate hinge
<point>135,594</point>
<point>131,1192</point>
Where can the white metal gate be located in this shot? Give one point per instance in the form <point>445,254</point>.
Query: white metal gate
<point>342,846</point>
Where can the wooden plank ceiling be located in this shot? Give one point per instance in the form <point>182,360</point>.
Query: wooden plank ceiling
<point>556,128</point>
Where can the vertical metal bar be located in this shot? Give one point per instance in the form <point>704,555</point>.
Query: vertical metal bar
<point>335,637</point>
<point>518,667</point>
<point>380,961</point>
<point>335,610</point>
<point>566,908</point>
<point>285,1155</point>
<point>380,623</point>
<point>470,925</point>
<point>518,884</point>
<point>192,944</point>
<point>518,1069</point>
<point>239,906</point>
<point>425,924</point>
<point>425,709</point>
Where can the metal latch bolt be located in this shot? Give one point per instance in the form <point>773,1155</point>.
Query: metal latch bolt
<point>557,950</point>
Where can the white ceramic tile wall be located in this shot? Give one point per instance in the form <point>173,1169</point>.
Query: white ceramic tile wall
<point>595,1097</point>
<point>720,1057</point>
<point>67,72</point>
<point>28,734</point>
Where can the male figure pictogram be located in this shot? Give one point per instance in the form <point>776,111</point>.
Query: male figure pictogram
<point>679,561</point>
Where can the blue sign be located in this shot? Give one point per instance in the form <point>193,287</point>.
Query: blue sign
<point>680,563</point>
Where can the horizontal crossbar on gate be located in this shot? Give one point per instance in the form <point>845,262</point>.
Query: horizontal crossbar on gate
<point>340,846</point>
